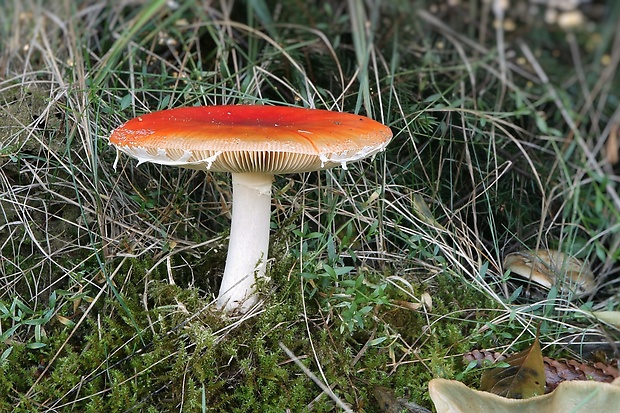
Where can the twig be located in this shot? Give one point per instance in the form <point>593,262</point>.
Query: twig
<point>315,379</point>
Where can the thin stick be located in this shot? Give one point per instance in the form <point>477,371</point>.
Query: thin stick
<point>315,379</point>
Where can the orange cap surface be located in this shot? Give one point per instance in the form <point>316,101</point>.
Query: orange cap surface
<point>251,138</point>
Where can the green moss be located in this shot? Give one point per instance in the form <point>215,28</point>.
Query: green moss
<point>177,349</point>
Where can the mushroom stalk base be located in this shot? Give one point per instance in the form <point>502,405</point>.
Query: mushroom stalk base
<point>249,240</point>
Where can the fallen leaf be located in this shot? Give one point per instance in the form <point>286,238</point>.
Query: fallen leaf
<point>556,371</point>
<point>423,212</point>
<point>427,300</point>
<point>407,304</point>
<point>450,396</point>
<point>522,379</point>
<point>65,321</point>
<point>609,317</point>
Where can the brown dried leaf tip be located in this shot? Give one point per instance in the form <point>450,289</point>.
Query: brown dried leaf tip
<point>523,378</point>
<point>556,371</point>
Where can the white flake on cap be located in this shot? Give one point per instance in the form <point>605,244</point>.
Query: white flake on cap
<point>343,157</point>
<point>161,157</point>
<point>212,159</point>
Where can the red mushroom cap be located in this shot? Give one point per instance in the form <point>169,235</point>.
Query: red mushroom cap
<point>251,138</point>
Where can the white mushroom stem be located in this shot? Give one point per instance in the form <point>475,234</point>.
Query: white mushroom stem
<point>249,240</point>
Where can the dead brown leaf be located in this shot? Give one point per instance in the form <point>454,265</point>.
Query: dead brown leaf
<point>522,379</point>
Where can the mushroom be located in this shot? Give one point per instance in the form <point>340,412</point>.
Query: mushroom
<point>253,143</point>
<point>550,268</point>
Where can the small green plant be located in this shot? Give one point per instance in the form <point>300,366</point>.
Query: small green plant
<point>347,290</point>
<point>353,298</point>
<point>18,316</point>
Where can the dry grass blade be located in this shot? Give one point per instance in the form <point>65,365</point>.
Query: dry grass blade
<point>315,379</point>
